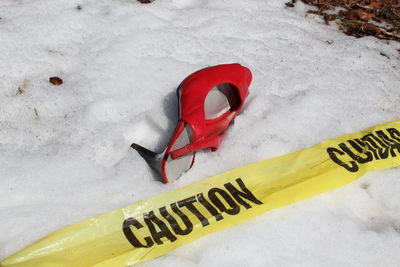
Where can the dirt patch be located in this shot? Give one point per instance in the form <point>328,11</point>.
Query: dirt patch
<point>379,18</point>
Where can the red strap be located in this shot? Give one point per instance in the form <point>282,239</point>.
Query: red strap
<point>213,142</point>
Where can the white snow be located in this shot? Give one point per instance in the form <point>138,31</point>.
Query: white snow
<point>121,62</point>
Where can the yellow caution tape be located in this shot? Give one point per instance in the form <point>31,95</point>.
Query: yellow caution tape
<point>154,227</point>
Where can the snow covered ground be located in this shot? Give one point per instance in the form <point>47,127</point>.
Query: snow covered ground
<point>121,62</point>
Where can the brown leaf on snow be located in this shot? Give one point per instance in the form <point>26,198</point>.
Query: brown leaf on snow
<point>22,88</point>
<point>55,80</point>
<point>145,1</point>
<point>36,113</point>
<point>359,14</point>
<point>384,55</point>
<point>20,91</point>
<point>289,4</point>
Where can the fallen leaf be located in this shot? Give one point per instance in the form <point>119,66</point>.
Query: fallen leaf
<point>371,28</point>
<point>358,14</point>
<point>289,4</point>
<point>375,4</point>
<point>22,88</point>
<point>55,81</point>
<point>392,34</point>
<point>20,91</point>
<point>384,55</point>
<point>36,113</point>
<point>145,1</point>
